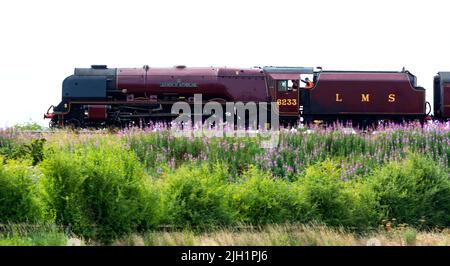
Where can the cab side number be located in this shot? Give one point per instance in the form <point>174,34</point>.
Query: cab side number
<point>287,101</point>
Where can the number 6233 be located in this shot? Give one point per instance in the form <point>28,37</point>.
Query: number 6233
<point>287,101</point>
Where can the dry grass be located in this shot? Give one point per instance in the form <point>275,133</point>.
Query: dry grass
<point>273,235</point>
<point>291,235</point>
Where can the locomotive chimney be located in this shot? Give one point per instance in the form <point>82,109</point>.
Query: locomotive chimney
<point>99,66</point>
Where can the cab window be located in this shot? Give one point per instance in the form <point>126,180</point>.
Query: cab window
<point>282,85</point>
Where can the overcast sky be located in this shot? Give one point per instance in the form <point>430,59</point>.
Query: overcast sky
<point>43,41</point>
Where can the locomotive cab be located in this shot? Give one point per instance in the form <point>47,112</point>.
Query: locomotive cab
<point>285,85</point>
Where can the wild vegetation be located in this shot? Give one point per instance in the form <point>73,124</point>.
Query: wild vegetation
<point>102,186</point>
<point>268,235</point>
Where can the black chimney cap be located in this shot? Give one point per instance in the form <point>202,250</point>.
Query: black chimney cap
<point>99,66</point>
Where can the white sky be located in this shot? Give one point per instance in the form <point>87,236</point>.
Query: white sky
<point>41,42</point>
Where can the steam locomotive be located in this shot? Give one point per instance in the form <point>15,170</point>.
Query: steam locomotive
<point>101,97</point>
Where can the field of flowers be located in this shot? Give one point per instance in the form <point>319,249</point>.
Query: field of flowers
<point>104,185</point>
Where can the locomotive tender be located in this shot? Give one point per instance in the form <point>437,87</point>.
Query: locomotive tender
<point>101,96</point>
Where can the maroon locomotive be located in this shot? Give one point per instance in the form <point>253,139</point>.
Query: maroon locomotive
<point>101,96</point>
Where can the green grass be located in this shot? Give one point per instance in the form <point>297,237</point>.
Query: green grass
<point>32,235</point>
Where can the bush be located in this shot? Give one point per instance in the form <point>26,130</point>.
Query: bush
<point>63,184</point>
<point>100,191</point>
<point>334,201</point>
<point>35,150</point>
<point>20,194</point>
<point>196,197</point>
<point>13,149</point>
<point>365,211</point>
<point>259,198</point>
<point>326,193</point>
<point>415,191</point>
<point>10,148</point>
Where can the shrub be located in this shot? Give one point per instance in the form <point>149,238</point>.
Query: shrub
<point>100,191</point>
<point>20,194</point>
<point>337,202</point>
<point>10,148</point>
<point>365,211</point>
<point>326,194</point>
<point>36,150</point>
<point>196,197</point>
<point>415,191</point>
<point>63,183</point>
<point>259,198</point>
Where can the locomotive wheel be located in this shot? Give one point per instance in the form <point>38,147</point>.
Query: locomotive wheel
<point>52,124</point>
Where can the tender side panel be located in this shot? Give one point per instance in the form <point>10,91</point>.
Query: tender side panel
<point>366,93</point>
